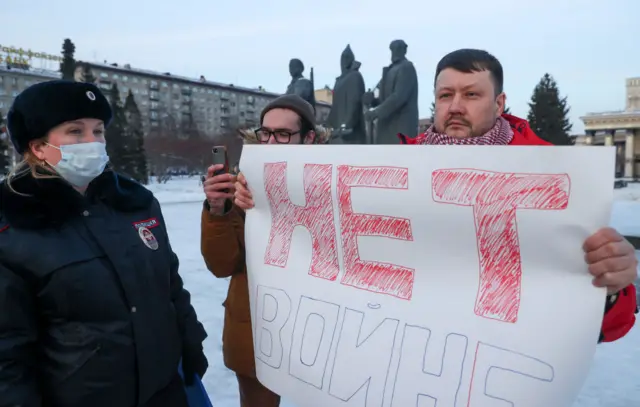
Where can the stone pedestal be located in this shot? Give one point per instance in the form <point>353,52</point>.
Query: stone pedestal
<point>629,156</point>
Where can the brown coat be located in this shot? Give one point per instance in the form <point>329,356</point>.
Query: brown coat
<point>222,246</point>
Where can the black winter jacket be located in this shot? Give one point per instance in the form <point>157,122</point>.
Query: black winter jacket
<point>90,315</point>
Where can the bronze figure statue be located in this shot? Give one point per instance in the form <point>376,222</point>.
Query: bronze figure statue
<point>300,85</point>
<point>346,117</point>
<point>395,109</point>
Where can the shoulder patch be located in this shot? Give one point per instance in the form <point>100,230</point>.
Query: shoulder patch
<point>147,223</point>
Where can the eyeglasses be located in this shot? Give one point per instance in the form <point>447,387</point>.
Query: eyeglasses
<point>280,136</point>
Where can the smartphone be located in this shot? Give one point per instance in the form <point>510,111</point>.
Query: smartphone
<point>220,157</point>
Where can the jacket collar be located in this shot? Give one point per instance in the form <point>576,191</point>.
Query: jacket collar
<point>50,202</point>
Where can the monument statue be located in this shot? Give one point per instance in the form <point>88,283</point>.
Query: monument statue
<point>300,85</point>
<point>395,108</point>
<point>346,116</point>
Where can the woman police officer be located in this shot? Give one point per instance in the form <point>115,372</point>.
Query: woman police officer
<point>93,310</point>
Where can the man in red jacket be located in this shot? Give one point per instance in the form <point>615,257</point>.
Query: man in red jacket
<point>469,111</point>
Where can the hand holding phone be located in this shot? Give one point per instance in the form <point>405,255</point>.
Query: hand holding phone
<point>219,184</point>
<point>220,158</point>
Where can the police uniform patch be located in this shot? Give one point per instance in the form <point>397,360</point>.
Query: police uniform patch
<point>147,223</point>
<point>148,238</point>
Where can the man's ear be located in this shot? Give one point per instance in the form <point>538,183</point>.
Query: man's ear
<point>501,102</point>
<point>310,137</point>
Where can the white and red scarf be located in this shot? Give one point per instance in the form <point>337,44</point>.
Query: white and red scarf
<point>500,134</point>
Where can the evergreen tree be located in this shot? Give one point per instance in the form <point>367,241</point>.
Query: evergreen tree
<point>548,112</point>
<point>5,160</point>
<point>137,164</point>
<point>68,64</point>
<point>116,136</point>
<point>87,74</point>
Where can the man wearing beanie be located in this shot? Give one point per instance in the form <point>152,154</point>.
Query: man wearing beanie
<point>288,119</point>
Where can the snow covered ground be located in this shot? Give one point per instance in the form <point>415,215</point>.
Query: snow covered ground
<point>613,381</point>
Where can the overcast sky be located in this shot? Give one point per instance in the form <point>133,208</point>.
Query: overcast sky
<point>589,46</point>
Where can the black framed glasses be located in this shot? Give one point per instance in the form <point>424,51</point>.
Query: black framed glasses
<point>280,136</point>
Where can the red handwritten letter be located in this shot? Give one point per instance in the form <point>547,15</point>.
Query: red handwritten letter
<point>373,276</point>
<point>495,196</point>
<point>316,216</point>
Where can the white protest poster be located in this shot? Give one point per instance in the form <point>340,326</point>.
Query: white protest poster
<point>439,276</point>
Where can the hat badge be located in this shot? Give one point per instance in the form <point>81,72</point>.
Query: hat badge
<point>91,95</point>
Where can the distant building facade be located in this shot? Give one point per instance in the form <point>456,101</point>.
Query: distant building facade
<point>324,95</point>
<point>620,129</point>
<point>214,108</point>
<point>19,69</point>
<point>15,80</point>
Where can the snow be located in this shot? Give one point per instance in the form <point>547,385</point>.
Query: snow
<point>611,381</point>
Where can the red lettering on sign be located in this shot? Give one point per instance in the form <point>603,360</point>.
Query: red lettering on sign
<point>316,216</point>
<point>373,276</point>
<point>495,197</point>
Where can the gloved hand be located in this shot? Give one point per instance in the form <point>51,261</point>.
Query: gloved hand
<point>194,362</point>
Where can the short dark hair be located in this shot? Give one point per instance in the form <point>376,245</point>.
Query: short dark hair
<point>469,60</point>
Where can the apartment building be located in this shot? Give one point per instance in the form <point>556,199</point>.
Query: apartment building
<point>15,80</point>
<point>214,108</point>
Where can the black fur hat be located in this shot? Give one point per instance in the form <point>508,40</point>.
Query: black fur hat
<point>45,105</point>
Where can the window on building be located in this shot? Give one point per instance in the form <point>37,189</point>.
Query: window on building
<point>144,81</point>
<point>116,76</point>
<point>14,93</point>
<point>104,75</point>
<point>165,84</point>
<point>135,80</point>
<point>125,78</point>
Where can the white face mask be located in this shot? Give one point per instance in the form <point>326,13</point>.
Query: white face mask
<point>81,162</point>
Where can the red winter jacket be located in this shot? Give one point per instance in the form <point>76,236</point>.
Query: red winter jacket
<point>620,310</point>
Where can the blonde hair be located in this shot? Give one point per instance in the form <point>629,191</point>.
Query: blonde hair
<point>30,165</point>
